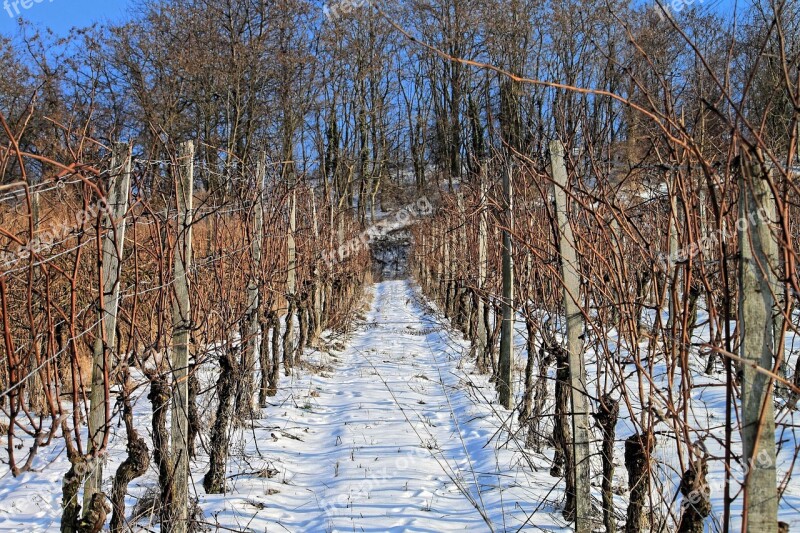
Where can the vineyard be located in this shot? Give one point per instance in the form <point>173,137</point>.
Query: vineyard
<point>442,265</point>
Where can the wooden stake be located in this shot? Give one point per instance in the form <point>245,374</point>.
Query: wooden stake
<point>246,406</point>
<point>181,321</point>
<point>291,277</point>
<point>483,337</point>
<point>579,394</point>
<point>113,222</point>
<point>505,387</point>
<point>756,307</point>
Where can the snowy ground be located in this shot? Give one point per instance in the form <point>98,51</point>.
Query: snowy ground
<point>390,434</point>
<point>396,432</point>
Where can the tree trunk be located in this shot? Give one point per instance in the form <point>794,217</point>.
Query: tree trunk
<point>562,440</point>
<point>491,347</point>
<point>214,480</point>
<point>696,505</point>
<point>134,466</point>
<point>526,413</point>
<point>275,370</point>
<point>194,416</point>
<point>606,416</point>
<point>159,397</point>
<point>265,363</point>
<point>73,479</point>
<point>637,461</point>
<point>539,400</point>
<point>302,320</point>
<point>288,340</point>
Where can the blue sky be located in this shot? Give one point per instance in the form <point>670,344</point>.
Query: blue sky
<point>60,15</point>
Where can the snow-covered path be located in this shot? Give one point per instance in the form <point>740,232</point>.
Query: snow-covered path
<point>394,433</point>
<point>390,441</point>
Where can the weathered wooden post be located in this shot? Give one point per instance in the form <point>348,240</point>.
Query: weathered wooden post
<point>291,275</point>
<point>463,250</point>
<point>504,384</point>
<point>182,323</point>
<point>483,335</point>
<point>317,289</point>
<point>756,306</point>
<point>421,266</point>
<point>447,269</point>
<point>578,390</point>
<point>113,222</point>
<point>246,407</point>
<point>36,395</point>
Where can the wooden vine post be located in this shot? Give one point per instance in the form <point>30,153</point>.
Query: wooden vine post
<point>579,393</point>
<point>182,323</point>
<point>483,336</point>
<point>757,283</point>
<point>504,385</point>
<point>113,223</point>
<point>246,406</point>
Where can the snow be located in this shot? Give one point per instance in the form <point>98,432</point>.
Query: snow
<point>393,439</point>
<point>393,433</point>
